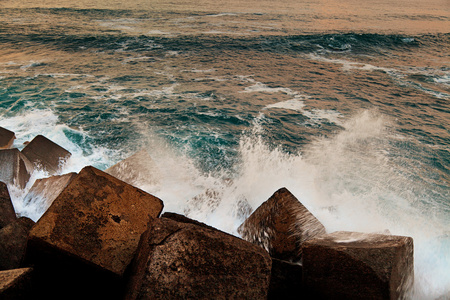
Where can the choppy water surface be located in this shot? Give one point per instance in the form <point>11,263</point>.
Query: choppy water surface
<point>346,105</point>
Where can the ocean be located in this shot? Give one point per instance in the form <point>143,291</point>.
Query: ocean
<point>345,103</point>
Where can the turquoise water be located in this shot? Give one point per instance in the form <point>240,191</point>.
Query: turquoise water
<point>354,123</point>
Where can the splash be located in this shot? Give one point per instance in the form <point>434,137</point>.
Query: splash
<point>44,122</point>
<point>349,181</point>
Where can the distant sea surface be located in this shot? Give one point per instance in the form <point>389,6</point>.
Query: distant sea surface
<point>345,103</point>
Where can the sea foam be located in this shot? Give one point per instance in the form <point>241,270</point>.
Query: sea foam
<point>348,181</point>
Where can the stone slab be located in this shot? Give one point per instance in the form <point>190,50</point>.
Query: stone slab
<point>46,154</point>
<point>13,243</point>
<point>179,260</point>
<point>353,265</point>
<point>15,168</point>
<point>97,219</point>
<point>7,138</point>
<point>281,225</point>
<point>15,284</point>
<point>45,190</point>
<point>7,213</point>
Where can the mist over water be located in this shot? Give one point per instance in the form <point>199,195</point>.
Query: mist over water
<point>345,104</point>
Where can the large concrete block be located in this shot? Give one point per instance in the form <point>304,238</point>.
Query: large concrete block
<point>7,213</point>
<point>281,225</point>
<point>353,265</point>
<point>183,219</point>
<point>15,168</point>
<point>97,218</point>
<point>6,138</point>
<point>44,191</point>
<point>83,244</point>
<point>137,170</point>
<point>186,261</point>
<point>13,243</point>
<point>46,154</point>
<point>16,284</point>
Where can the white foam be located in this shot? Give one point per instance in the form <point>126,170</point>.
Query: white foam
<point>394,73</point>
<point>261,87</point>
<point>297,103</point>
<point>445,79</point>
<point>172,53</point>
<point>293,104</point>
<point>165,91</point>
<point>35,122</point>
<point>351,65</point>
<point>34,210</point>
<point>31,64</point>
<point>318,115</point>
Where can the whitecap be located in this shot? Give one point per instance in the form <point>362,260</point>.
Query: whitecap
<point>261,87</point>
<point>293,104</point>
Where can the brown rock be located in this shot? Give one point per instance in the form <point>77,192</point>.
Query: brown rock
<point>15,284</point>
<point>7,213</point>
<point>44,191</point>
<point>97,219</point>
<point>13,243</point>
<point>351,265</point>
<point>281,225</point>
<point>137,169</point>
<point>15,168</point>
<point>46,154</point>
<point>186,261</point>
<point>184,219</point>
<point>286,280</point>
<point>6,138</point>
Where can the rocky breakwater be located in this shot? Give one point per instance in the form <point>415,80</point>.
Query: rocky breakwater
<point>103,238</point>
<point>308,263</point>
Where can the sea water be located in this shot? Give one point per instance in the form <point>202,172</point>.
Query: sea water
<point>346,104</point>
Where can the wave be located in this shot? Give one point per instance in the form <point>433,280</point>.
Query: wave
<point>350,181</point>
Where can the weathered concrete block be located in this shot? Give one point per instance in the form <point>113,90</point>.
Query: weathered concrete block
<point>44,191</point>
<point>352,265</point>
<point>46,154</point>
<point>281,225</point>
<point>16,284</point>
<point>6,138</point>
<point>136,170</point>
<point>15,168</point>
<point>186,261</point>
<point>97,220</point>
<point>13,243</point>
<point>183,219</point>
<point>7,213</point>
